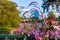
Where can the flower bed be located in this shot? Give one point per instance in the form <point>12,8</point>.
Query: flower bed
<point>38,31</point>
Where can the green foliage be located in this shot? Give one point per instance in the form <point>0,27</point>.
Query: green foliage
<point>9,15</point>
<point>51,27</point>
<point>4,30</point>
<point>51,15</point>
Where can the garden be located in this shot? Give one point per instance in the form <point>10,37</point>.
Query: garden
<point>15,27</point>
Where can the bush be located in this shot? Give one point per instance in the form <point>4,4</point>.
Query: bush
<point>4,30</point>
<point>51,15</point>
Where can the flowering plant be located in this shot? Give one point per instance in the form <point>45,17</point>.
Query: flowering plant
<point>38,32</point>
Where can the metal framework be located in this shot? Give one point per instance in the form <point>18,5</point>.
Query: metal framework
<point>34,4</point>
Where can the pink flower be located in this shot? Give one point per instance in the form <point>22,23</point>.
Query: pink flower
<point>35,22</point>
<point>59,26</point>
<point>52,21</point>
<point>56,32</point>
<point>47,35</point>
<point>21,25</point>
<point>40,38</point>
<point>18,30</point>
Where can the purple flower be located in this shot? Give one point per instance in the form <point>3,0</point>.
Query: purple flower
<point>23,30</point>
<point>59,32</point>
<point>41,34</point>
<point>51,32</point>
<point>56,36</point>
<point>33,32</point>
<point>28,33</point>
<point>36,37</point>
<point>38,30</point>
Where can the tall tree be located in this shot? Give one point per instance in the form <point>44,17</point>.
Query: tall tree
<point>9,15</point>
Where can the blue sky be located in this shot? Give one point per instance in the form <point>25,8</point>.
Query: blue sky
<point>25,3</point>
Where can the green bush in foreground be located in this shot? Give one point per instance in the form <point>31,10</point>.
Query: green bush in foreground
<point>4,30</point>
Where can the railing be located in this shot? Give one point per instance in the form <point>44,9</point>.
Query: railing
<point>20,37</point>
<point>14,37</point>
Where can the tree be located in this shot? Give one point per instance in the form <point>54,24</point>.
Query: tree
<point>9,15</point>
<point>51,15</point>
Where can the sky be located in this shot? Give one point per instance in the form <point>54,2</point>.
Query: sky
<point>25,3</point>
